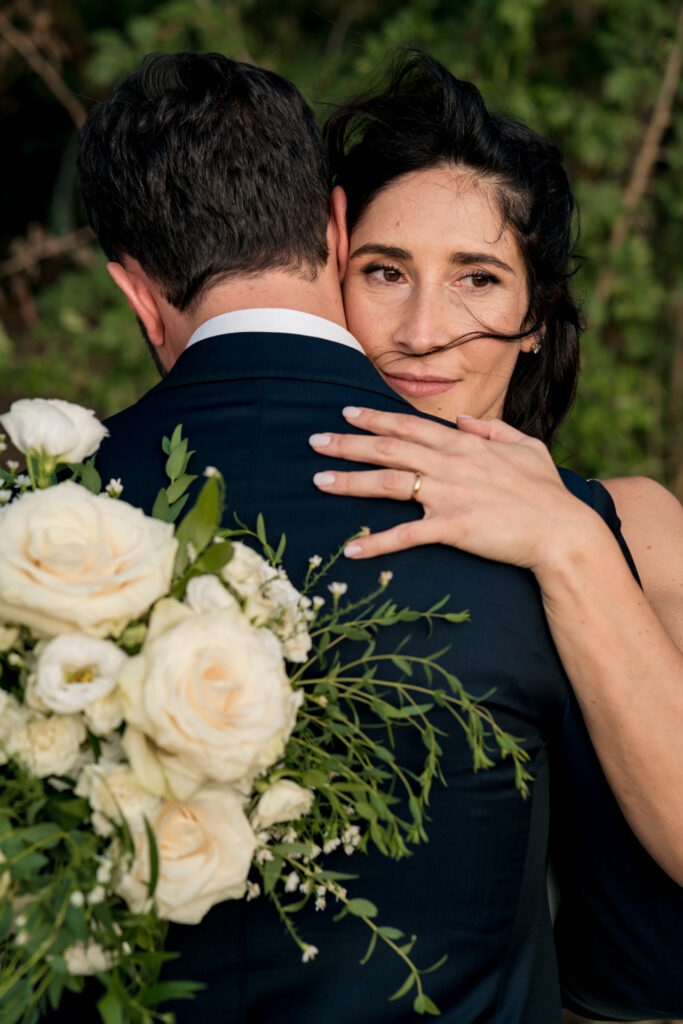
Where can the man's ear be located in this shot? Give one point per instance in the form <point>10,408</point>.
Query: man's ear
<point>338,219</point>
<point>134,284</point>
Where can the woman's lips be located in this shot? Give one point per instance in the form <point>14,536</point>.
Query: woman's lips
<point>418,387</point>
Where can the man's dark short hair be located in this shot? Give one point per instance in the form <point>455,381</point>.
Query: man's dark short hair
<point>201,167</point>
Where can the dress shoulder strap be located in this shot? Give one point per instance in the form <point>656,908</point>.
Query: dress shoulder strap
<point>593,493</point>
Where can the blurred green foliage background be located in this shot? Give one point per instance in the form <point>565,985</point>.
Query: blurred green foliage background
<point>600,77</point>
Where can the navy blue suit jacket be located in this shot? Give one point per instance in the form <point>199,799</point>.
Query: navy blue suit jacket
<point>476,891</point>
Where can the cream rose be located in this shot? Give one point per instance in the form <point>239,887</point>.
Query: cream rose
<point>205,850</point>
<point>206,593</point>
<point>246,571</point>
<point>105,714</point>
<point>285,800</point>
<point>47,746</point>
<point>212,691</point>
<point>62,430</point>
<point>70,560</point>
<point>8,638</point>
<point>75,669</point>
<point>115,794</point>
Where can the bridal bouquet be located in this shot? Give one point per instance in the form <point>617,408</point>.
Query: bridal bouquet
<point>179,726</point>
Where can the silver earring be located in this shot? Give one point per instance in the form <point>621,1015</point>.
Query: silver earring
<point>536,347</point>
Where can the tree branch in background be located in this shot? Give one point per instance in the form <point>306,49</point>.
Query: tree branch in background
<point>645,160</point>
<point>24,45</point>
<point>39,246</point>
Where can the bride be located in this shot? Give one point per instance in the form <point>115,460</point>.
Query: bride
<point>456,283</point>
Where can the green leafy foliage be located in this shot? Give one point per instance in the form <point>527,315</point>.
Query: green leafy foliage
<point>588,75</point>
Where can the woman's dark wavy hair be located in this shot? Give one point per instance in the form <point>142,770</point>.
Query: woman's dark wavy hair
<point>424,117</point>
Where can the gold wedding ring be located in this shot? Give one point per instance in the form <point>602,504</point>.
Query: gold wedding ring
<point>416,486</point>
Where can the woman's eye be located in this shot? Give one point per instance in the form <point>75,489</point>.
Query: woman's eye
<point>479,279</point>
<point>383,272</point>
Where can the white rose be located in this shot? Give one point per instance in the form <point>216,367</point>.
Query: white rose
<point>67,432</point>
<point>71,560</point>
<point>105,714</point>
<point>247,571</point>
<point>75,669</point>
<point>206,593</point>
<point>8,638</point>
<point>47,746</point>
<point>114,793</point>
<point>84,960</point>
<point>285,800</point>
<point>157,771</point>
<point>205,850</point>
<point>211,690</point>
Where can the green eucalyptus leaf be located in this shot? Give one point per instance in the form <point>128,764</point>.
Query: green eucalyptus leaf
<point>371,948</point>
<point>272,869</point>
<point>360,907</point>
<point>423,1004</point>
<point>111,1008</point>
<point>160,507</point>
<point>176,437</point>
<point>405,987</point>
<point>153,858</point>
<point>175,463</point>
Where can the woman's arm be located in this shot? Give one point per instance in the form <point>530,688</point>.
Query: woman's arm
<point>492,491</point>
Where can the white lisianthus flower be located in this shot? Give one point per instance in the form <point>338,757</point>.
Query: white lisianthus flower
<point>12,716</point>
<point>47,746</point>
<point>53,427</point>
<point>206,593</point>
<point>115,794</point>
<point>211,690</point>
<point>285,800</point>
<point>71,560</point>
<point>75,669</point>
<point>85,960</point>
<point>205,850</point>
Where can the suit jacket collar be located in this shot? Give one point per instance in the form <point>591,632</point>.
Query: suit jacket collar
<point>252,355</point>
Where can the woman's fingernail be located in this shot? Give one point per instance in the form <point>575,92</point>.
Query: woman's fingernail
<point>323,479</point>
<point>350,412</point>
<point>319,440</point>
<point>464,416</point>
<point>351,550</point>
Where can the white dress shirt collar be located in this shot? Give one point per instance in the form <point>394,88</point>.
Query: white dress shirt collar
<point>274,321</point>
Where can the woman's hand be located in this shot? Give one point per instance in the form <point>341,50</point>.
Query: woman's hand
<point>486,487</point>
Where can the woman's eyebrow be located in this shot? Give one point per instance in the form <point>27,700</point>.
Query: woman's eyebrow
<point>375,249</point>
<point>465,259</point>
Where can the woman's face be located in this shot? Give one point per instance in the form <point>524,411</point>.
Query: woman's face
<point>428,263</point>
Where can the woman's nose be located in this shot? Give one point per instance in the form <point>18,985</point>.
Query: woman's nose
<point>426,323</point>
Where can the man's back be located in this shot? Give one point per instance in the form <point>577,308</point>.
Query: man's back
<point>476,891</point>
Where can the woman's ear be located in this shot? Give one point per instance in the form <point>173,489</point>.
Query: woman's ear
<point>338,219</point>
<point>135,285</point>
<point>534,343</point>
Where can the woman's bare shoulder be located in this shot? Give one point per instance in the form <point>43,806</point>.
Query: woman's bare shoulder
<point>652,525</point>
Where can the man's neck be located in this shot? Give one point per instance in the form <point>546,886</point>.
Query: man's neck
<point>274,290</point>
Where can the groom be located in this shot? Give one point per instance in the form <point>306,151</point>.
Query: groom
<point>207,185</point>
